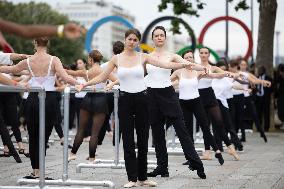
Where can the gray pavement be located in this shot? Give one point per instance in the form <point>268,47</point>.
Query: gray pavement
<point>261,166</point>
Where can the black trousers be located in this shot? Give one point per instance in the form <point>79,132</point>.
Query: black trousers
<point>58,122</point>
<point>194,106</point>
<point>133,113</point>
<point>106,126</point>
<point>10,113</point>
<point>229,126</point>
<point>33,123</point>
<point>250,105</point>
<point>238,113</point>
<point>6,139</point>
<point>72,111</point>
<point>262,104</point>
<point>164,104</point>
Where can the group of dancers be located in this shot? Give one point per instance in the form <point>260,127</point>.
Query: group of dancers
<point>148,86</point>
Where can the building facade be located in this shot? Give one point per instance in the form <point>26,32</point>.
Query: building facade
<point>88,12</point>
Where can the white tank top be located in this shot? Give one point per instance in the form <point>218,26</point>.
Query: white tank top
<point>158,77</point>
<point>220,87</point>
<point>205,82</point>
<point>47,82</point>
<point>188,88</point>
<point>131,79</point>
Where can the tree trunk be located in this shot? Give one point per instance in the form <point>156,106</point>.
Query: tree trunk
<point>267,17</point>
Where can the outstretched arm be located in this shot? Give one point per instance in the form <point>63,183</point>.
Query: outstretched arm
<point>104,75</point>
<point>15,68</point>
<point>7,81</point>
<point>62,73</point>
<point>70,30</point>
<point>194,66</point>
<point>163,64</point>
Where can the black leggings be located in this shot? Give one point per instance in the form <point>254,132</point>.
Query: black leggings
<point>194,106</point>
<point>133,113</point>
<point>98,120</point>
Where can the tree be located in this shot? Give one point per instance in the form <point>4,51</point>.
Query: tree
<point>40,13</point>
<point>267,17</point>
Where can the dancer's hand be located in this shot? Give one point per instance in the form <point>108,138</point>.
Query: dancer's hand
<point>266,83</point>
<point>15,56</point>
<point>24,85</point>
<point>79,87</point>
<point>109,86</point>
<point>72,31</point>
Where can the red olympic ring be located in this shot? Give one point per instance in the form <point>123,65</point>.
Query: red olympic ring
<point>224,18</point>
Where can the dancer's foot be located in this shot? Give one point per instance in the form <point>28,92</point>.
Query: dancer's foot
<point>232,152</point>
<point>158,171</point>
<point>147,183</point>
<point>220,158</point>
<point>130,184</point>
<point>200,172</point>
<point>263,136</point>
<point>206,155</point>
<point>71,157</point>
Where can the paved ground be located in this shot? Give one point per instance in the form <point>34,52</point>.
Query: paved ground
<point>261,166</point>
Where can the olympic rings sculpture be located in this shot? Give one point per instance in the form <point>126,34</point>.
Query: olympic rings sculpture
<point>148,48</point>
<point>229,18</point>
<point>199,46</point>
<point>100,22</point>
<point>164,18</point>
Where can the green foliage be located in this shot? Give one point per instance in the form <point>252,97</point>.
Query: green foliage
<point>40,13</point>
<point>192,8</point>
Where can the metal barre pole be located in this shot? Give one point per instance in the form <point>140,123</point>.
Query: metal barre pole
<point>41,96</point>
<point>116,95</point>
<point>65,133</point>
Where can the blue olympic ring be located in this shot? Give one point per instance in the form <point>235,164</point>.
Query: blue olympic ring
<point>97,24</point>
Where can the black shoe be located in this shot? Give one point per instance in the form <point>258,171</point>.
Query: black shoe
<point>156,172</point>
<point>22,151</point>
<point>186,163</point>
<point>220,158</point>
<point>240,148</point>
<point>200,172</point>
<point>264,137</point>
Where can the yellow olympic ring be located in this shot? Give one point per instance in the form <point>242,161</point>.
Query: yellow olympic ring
<point>146,47</point>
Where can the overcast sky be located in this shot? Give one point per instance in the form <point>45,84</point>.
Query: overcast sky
<point>215,37</point>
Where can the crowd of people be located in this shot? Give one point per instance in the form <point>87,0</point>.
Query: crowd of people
<point>154,89</point>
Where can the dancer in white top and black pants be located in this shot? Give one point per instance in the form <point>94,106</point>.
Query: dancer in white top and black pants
<point>133,100</point>
<point>191,104</point>
<point>164,104</point>
<point>43,75</point>
<point>223,90</point>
